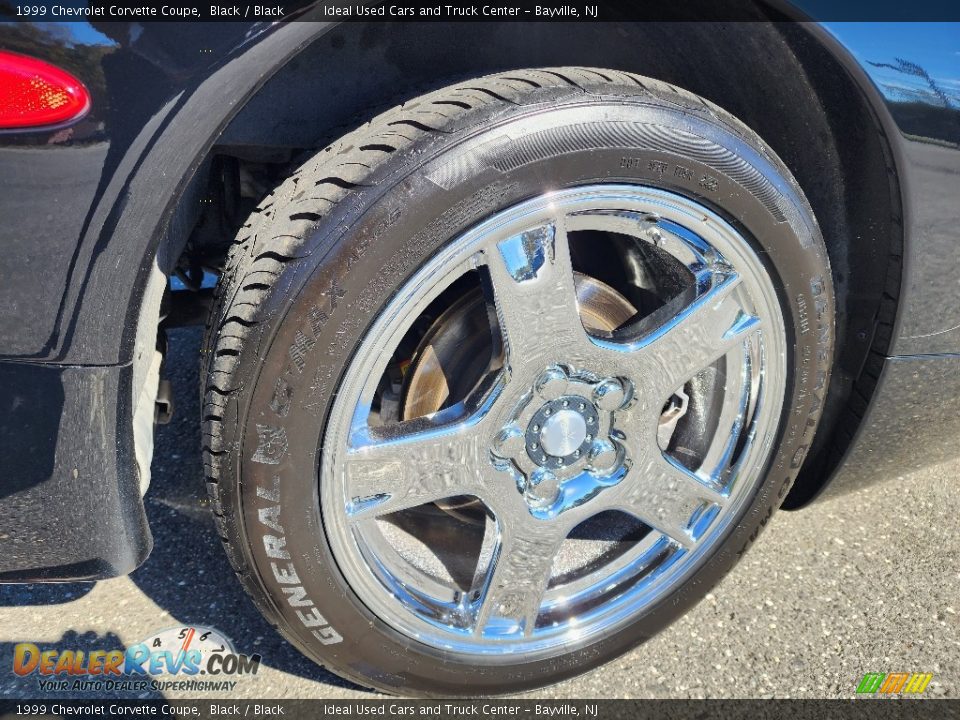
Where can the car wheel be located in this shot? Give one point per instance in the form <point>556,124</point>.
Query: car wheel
<point>505,380</point>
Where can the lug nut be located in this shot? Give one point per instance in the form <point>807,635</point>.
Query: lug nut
<point>610,395</point>
<point>509,441</point>
<point>603,456</point>
<point>541,476</point>
<point>543,488</point>
<point>552,383</point>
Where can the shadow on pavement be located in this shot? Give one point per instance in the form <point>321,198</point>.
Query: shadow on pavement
<point>43,593</point>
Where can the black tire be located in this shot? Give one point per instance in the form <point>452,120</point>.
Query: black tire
<point>329,246</point>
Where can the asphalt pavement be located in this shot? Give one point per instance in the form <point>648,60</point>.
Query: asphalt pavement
<point>867,582</point>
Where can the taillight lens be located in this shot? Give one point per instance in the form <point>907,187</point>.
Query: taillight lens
<point>34,93</point>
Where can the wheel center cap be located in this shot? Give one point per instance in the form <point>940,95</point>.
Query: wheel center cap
<point>562,445</point>
<point>563,433</point>
<point>560,433</point>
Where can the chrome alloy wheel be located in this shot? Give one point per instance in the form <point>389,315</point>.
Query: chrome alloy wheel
<point>569,431</point>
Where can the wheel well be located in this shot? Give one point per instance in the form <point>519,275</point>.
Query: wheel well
<point>777,78</point>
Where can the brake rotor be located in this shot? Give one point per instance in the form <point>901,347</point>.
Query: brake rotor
<point>456,352</point>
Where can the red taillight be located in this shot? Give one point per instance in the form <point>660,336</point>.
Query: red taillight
<point>35,94</point>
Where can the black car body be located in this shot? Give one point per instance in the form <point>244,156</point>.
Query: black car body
<point>98,214</point>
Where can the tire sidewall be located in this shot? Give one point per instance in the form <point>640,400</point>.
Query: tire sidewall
<point>357,257</point>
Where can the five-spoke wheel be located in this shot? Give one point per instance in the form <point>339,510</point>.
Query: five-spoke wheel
<point>562,426</point>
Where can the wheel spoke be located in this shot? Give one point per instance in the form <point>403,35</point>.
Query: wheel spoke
<point>665,496</point>
<point>697,336</point>
<point>733,415</point>
<point>534,292</point>
<point>413,468</point>
<point>519,571</point>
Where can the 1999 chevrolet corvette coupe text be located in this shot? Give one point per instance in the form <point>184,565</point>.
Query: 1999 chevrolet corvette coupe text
<point>520,333</point>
